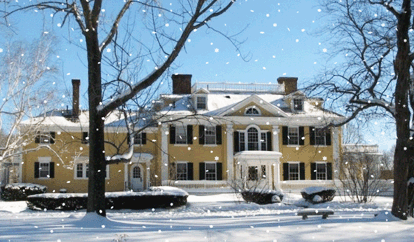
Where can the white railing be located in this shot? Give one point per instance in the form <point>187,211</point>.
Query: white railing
<point>239,87</point>
<point>360,148</point>
<point>196,184</point>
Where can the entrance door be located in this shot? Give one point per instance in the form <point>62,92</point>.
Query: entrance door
<point>137,180</point>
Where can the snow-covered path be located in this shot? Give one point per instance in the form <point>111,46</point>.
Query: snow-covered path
<point>207,218</point>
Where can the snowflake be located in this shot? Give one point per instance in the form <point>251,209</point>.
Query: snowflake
<point>216,50</point>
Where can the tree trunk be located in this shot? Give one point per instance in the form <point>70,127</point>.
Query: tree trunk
<point>402,113</point>
<point>97,164</point>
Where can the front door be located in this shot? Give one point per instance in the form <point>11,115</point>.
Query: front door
<point>137,180</point>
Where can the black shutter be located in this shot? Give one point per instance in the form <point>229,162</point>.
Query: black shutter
<point>218,134</point>
<point>37,137</point>
<point>52,169</point>
<point>301,135</point>
<point>236,141</point>
<point>128,138</point>
<point>189,134</point>
<point>190,171</point>
<point>312,135</point>
<point>269,141</point>
<point>219,171</point>
<point>302,171</point>
<point>172,134</point>
<point>36,169</point>
<point>285,171</point>
<point>313,172</point>
<point>201,132</point>
<point>85,138</point>
<point>285,135</point>
<point>143,138</point>
<point>329,170</point>
<point>202,170</point>
<point>52,137</point>
<point>328,137</point>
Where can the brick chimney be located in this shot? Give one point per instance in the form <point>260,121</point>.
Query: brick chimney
<point>181,83</point>
<point>291,84</point>
<point>75,98</point>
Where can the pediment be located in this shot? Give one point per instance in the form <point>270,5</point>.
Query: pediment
<point>264,108</point>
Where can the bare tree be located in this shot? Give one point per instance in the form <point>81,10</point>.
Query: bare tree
<point>372,36</point>
<point>99,33</point>
<point>25,72</point>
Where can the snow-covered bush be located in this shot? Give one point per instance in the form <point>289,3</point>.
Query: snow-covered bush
<point>262,196</point>
<point>155,197</point>
<point>318,194</point>
<point>20,191</point>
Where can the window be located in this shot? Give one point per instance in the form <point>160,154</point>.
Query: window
<point>44,170</point>
<point>298,104</point>
<point>201,103</point>
<point>180,135</point>
<point>136,172</point>
<point>45,137</point>
<point>82,170</point>
<point>253,173</point>
<point>263,171</point>
<point>182,171</point>
<point>85,138</point>
<point>321,171</point>
<point>210,135</point>
<point>252,111</point>
<point>211,171</point>
<point>242,141</point>
<point>252,139</point>
<point>320,137</point>
<point>138,139</point>
<point>293,136</point>
<point>294,171</point>
<point>263,141</point>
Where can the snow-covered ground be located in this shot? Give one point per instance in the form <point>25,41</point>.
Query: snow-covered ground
<point>209,218</point>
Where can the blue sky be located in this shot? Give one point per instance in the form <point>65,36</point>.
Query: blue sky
<point>280,40</point>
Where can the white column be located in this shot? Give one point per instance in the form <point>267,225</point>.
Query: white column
<point>269,175</point>
<point>275,141</point>
<point>126,176</point>
<point>277,175</point>
<point>336,148</point>
<point>164,153</point>
<point>147,178</point>
<point>21,165</point>
<point>230,147</point>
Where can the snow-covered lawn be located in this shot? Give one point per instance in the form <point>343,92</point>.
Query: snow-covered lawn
<point>209,218</point>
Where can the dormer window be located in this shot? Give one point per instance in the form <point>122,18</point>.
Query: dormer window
<point>252,111</point>
<point>298,104</point>
<point>201,103</point>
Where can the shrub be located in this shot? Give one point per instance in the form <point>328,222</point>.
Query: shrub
<point>318,194</point>
<point>20,191</point>
<point>262,197</point>
<point>155,197</point>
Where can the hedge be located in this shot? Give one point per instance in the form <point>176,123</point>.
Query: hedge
<point>262,197</point>
<point>20,191</point>
<point>318,194</point>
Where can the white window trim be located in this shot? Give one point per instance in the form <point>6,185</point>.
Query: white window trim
<point>297,163</point>
<point>84,171</point>
<point>293,104</point>
<point>44,160</point>
<point>186,168</point>
<point>326,170</point>
<point>140,139</point>
<point>215,135</point>
<point>196,102</point>
<point>259,131</point>
<point>324,137</point>
<point>294,145</point>
<point>185,131</point>
<point>45,133</point>
<point>205,170</point>
<point>254,107</point>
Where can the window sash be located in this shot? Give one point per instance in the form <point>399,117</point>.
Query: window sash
<point>44,169</point>
<point>138,138</point>
<point>263,141</point>
<point>242,141</point>
<point>252,111</point>
<point>180,135</point>
<point>293,136</point>
<point>182,171</point>
<point>82,170</point>
<point>252,139</point>
<point>294,172</point>
<point>201,102</point>
<point>321,171</point>
<point>211,171</point>
<point>44,138</point>
<point>210,135</point>
<point>298,104</point>
<point>253,173</point>
<point>136,172</point>
<point>320,136</point>
<point>79,170</point>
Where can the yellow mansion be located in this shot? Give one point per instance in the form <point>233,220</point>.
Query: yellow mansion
<point>207,137</point>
